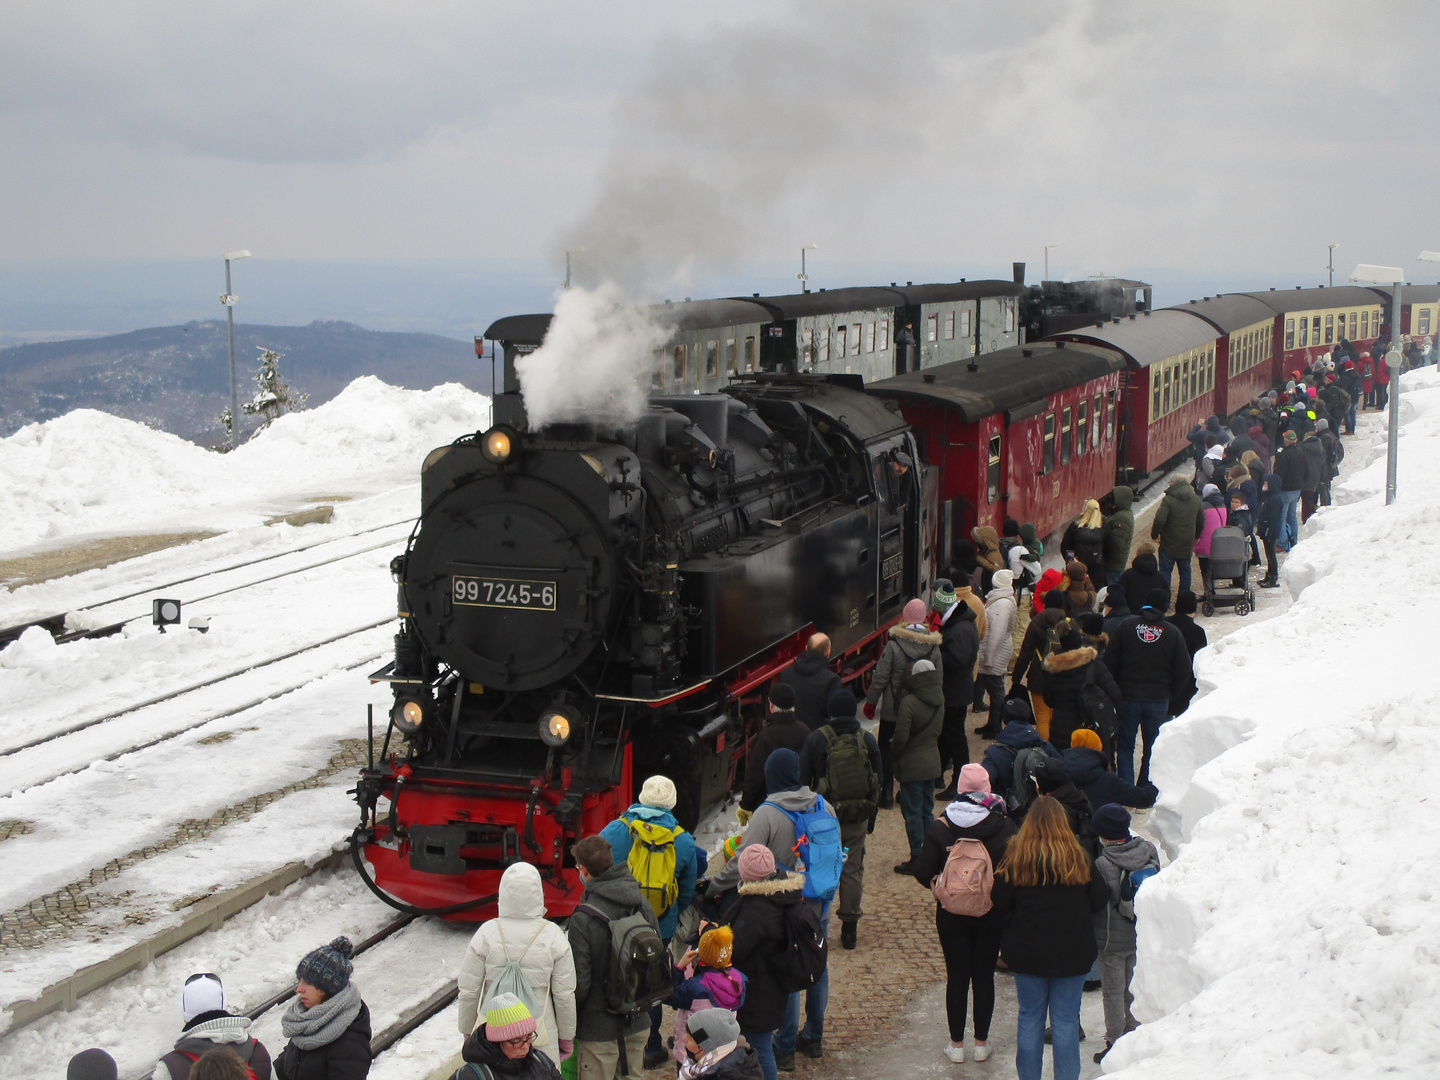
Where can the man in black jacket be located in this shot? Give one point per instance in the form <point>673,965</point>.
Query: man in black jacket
<point>782,731</point>
<point>813,680</point>
<point>1314,472</point>
<point>1089,769</point>
<point>959,649</point>
<point>856,821</point>
<point>1152,667</point>
<point>603,1048</point>
<point>1290,467</point>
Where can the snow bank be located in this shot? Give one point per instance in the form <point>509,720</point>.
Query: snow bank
<point>1296,931</point>
<point>89,472</point>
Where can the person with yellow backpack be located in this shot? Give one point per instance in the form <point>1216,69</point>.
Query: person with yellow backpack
<point>661,857</point>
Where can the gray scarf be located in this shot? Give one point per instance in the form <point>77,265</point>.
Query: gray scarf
<point>310,1029</point>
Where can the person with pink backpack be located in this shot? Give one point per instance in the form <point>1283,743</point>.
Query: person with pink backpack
<point>957,863</point>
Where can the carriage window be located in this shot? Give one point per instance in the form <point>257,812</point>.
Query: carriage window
<point>1364,324</point>
<point>1067,433</point>
<point>1329,329</point>
<point>1109,415</point>
<point>1187,374</point>
<point>1157,375</point>
<point>842,342</point>
<point>869,337</point>
<point>965,323</point>
<point>884,334</point>
<point>807,347</point>
<point>1424,316</point>
<point>855,339</point>
<point>1353,318</point>
<point>822,352</point>
<point>932,327</point>
<point>949,326</point>
<point>749,354</point>
<point>1169,386</point>
<point>1047,453</point>
<point>657,368</point>
<point>1009,316</point>
<point>679,366</point>
<point>1304,332</point>
<point>1082,428</point>
<point>1197,386</point>
<point>1289,333</point>
<point>992,470</point>
<point>1096,429</point>
<point>730,355</point>
<point>712,359</point>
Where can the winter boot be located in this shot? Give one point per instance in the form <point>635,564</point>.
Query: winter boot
<point>848,932</point>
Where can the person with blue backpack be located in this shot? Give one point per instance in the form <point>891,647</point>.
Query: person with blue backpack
<point>802,833</point>
<point>1125,862</point>
<point>661,856</point>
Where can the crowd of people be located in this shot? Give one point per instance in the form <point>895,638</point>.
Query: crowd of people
<point>1032,862</point>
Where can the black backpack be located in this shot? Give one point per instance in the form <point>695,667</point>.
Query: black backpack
<point>806,950</point>
<point>1098,712</point>
<point>637,977</point>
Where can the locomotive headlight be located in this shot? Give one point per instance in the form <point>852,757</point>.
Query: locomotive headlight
<point>556,726</point>
<point>497,444</point>
<point>408,714</point>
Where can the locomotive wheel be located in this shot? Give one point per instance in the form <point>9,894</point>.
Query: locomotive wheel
<point>1207,609</point>
<point>1242,608</point>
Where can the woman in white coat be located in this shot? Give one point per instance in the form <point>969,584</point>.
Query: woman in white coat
<point>522,933</point>
<point>996,646</point>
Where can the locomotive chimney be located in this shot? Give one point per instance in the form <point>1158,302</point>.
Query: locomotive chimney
<point>1018,270</point>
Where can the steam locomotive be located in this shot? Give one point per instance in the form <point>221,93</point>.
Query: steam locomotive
<point>582,605</point>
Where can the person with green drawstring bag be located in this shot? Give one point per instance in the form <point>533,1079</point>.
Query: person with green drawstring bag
<point>662,859</point>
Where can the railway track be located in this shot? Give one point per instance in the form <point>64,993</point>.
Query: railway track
<point>55,623</point>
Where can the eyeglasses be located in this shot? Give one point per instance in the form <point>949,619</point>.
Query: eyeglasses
<point>523,1040</point>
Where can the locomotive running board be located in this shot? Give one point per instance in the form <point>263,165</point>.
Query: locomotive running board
<point>387,674</point>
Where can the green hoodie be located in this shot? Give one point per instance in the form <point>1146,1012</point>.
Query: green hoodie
<point>1179,520</point>
<point>1032,542</point>
<point>916,741</point>
<point>1119,530</point>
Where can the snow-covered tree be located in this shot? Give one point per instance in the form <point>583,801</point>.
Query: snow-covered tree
<point>273,396</point>
<point>227,422</point>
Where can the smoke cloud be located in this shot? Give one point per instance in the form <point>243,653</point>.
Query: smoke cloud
<point>593,366</point>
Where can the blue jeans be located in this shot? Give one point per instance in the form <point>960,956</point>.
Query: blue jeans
<point>1111,577</point>
<point>917,804</point>
<point>764,1044</point>
<point>1290,507</point>
<point>1061,999</point>
<point>816,998</point>
<point>1350,418</point>
<point>1135,715</point>
<point>1167,564</point>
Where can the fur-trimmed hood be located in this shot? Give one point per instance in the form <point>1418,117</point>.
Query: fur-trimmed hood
<point>784,882</point>
<point>916,637</point>
<point>1057,662</point>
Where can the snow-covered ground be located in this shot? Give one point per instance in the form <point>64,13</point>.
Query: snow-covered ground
<point>89,473</point>
<point>1295,932</point>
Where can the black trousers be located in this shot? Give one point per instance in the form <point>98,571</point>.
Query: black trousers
<point>1272,568</point>
<point>954,739</point>
<point>971,947</point>
<point>887,759</point>
<point>995,689</point>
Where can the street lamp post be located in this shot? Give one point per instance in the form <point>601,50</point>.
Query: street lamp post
<point>1047,259</point>
<point>572,251</point>
<point>1395,278</point>
<point>228,299</point>
<point>1332,248</point>
<point>802,275</point>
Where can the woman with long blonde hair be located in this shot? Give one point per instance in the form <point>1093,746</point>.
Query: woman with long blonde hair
<point>1047,888</point>
<point>1085,540</point>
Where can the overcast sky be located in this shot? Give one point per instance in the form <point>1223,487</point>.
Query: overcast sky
<point>670,137</point>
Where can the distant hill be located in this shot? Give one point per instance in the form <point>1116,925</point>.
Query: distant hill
<point>178,377</point>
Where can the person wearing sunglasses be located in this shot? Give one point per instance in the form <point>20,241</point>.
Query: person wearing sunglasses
<point>208,1023</point>
<point>504,1045</point>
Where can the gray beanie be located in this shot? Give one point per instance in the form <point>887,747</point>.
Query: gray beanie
<point>713,1028</point>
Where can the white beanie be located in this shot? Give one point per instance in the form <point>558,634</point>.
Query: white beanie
<point>1002,579</point>
<point>659,792</point>
<point>203,993</point>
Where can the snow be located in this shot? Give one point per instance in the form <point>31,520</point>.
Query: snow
<point>88,473</point>
<point>1294,933</point>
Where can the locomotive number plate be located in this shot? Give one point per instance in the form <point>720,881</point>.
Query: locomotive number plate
<point>504,593</point>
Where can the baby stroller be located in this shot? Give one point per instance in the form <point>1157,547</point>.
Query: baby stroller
<point>1229,561</point>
